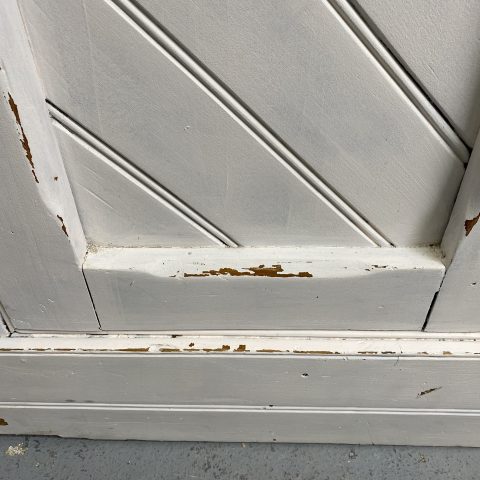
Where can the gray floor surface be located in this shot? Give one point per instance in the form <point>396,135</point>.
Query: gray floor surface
<point>31,458</point>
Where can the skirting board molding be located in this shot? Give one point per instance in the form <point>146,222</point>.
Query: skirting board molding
<point>376,387</point>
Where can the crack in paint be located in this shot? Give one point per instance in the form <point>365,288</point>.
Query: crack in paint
<point>64,228</point>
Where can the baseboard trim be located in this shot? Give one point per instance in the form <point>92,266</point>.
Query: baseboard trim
<point>366,426</point>
<point>410,390</point>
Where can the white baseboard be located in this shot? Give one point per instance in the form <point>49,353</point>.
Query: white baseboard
<point>418,390</point>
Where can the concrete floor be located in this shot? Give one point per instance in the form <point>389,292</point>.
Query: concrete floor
<point>42,458</point>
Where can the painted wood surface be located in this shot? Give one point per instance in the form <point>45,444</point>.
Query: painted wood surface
<point>3,329</point>
<point>354,128</point>
<point>263,288</point>
<point>458,303</point>
<point>237,379</point>
<point>357,141</point>
<point>438,43</point>
<point>41,240</point>
<point>127,387</point>
<point>364,371</point>
<point>117,209</point>
<point>374,426</point>
<point>175,131</point>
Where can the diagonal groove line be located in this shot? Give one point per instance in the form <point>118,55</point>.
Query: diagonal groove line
<point>123,166</point>
<point>171,48</point>
<point>395,70</point>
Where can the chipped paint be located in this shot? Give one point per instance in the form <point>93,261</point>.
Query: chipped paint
<point>64,228</point>
<point>23,139</point>
<point>241,348</point>
<point>426,392</point>
<point>275,271</point>
<point>469,224</point>
<point>134,350</point>
<point>448,346</point>
<point>3,422</point>
<point>316,352</point>
<point>224,348</point>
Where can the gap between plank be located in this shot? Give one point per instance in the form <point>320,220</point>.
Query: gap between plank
<point>434,301</point>
<point>394,69</point>
<point>123,166</point>
<point>171,48</point>
<point>89,292</point>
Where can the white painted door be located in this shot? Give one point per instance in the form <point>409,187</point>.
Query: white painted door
<point>254,165</point>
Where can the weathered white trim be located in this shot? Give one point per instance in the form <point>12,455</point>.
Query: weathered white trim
<point>372,344</point>
<point>127,387</point>
<point>238,425</point>
<point>42,244</point>
<point>458,303</point>
<point>138,289</point>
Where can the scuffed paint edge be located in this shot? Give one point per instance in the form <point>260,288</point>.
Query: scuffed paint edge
<point>179,344</point>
